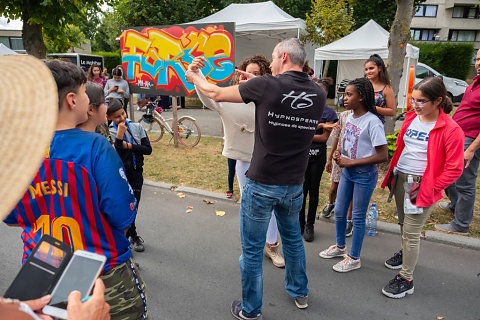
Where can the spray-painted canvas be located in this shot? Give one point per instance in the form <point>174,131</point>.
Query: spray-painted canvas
<point>156,58</point>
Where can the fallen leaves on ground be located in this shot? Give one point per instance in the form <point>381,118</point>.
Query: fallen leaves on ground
<point>181,195</point>
<point>207,201</point>
<point>220,213</point>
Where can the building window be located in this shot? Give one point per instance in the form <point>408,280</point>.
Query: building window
<point>423,34</point>
<point>462,35</point>
<point>5,41</point>
<point>17,44</point>
<point>425,10</point>
<point>465,12</point>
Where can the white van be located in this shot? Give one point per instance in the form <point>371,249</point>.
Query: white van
<point>455,87</point>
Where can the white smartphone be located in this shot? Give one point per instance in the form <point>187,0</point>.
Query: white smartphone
<point>80,274</point>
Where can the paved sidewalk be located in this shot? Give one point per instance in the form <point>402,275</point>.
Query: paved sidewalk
<point>190,266</point>
<point>435,236</point>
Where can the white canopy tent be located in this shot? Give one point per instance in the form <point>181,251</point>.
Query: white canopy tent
<point>352,50</point>
<point>258,27</point>
<point>5,50</point>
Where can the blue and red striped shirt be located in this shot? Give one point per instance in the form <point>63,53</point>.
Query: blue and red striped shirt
<point>81,196</point>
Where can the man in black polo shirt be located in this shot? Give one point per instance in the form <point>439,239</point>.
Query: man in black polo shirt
<point>288,108</point>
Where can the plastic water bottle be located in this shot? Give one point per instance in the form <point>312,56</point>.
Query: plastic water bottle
<point>372,220</point>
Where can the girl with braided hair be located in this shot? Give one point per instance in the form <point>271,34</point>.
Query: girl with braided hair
<point>377,73</point>
<point>363,146</point>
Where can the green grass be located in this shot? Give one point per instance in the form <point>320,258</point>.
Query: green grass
<point>205,168</point>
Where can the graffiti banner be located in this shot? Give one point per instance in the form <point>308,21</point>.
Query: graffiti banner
<point>156,58</point>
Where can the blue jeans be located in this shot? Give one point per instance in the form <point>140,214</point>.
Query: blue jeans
<point>357,183</point>
<point>462,192</point>
<point>258,201</point>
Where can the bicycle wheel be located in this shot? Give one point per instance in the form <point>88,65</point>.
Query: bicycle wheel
<point>188,132</point>
<point>154,130</point>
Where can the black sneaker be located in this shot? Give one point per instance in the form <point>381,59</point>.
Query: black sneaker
<point>308,234</point>
<point>398,287</point>
<point>328,210</point>
<point>395,262</point>
<point>137,244</point>
<point>237,312</point>
<point>349,229</point>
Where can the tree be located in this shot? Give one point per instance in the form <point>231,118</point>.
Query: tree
<point>328,20</point>
<point>48,17</point>
<point>397,48</point>
<point>382,11</point>
<point>295,8</point>
<point>72,37</point>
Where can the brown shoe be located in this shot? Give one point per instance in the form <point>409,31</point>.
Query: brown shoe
<point>271,251</point>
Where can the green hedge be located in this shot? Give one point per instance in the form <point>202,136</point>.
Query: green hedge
<point>110,59</point>
<point>450,59</point>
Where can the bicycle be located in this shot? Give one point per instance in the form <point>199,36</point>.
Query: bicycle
<point>188,130</point>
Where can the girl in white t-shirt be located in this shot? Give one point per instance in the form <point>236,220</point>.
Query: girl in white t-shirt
<point>363,146</point>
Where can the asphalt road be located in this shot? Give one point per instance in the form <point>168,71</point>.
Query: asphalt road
<point>191,269</point>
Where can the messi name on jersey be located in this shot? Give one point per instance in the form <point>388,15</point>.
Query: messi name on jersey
<point>52,187</point>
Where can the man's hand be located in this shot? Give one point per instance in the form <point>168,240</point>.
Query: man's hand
<point>244,76</point>
<point>468,155</point>
<point>37,305</point>
<point>197,63</point>
<point>191,76</point>
<point>122,128</point>
<point>94,309</point>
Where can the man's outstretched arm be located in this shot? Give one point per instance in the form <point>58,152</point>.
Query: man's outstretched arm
<point>218,94</point>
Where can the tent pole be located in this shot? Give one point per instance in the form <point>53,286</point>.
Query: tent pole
<point>298,33</point>
<point>405,92</point>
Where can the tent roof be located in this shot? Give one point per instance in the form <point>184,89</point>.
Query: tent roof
<point>5,50</point>
<point>250,17</point>
<point>361,44</point>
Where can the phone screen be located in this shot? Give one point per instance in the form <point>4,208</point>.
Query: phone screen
<point>50,254</point>
<point>79,275</point>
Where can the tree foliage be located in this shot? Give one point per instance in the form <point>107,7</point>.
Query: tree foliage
<point>328,20</point>
<point>72,37</point>
<point>48,17</point>
<point>382,11</point>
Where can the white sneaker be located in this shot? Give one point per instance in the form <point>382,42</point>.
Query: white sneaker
<point>332,252</point>
<point>347,264</point>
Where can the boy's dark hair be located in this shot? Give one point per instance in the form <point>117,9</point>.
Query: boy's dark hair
<point>117,72</point>
<point>68,76</point>
<point>324,83</point>
<point>365,89</point>
<point>382,72</point>
<point>95,94</point>
<point>434,88</point>
<point>113,106</point>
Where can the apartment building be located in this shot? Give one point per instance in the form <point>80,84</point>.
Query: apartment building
<point>447,20</point>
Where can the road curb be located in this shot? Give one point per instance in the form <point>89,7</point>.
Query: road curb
<point>200,192</point>
<point>430,235</point>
